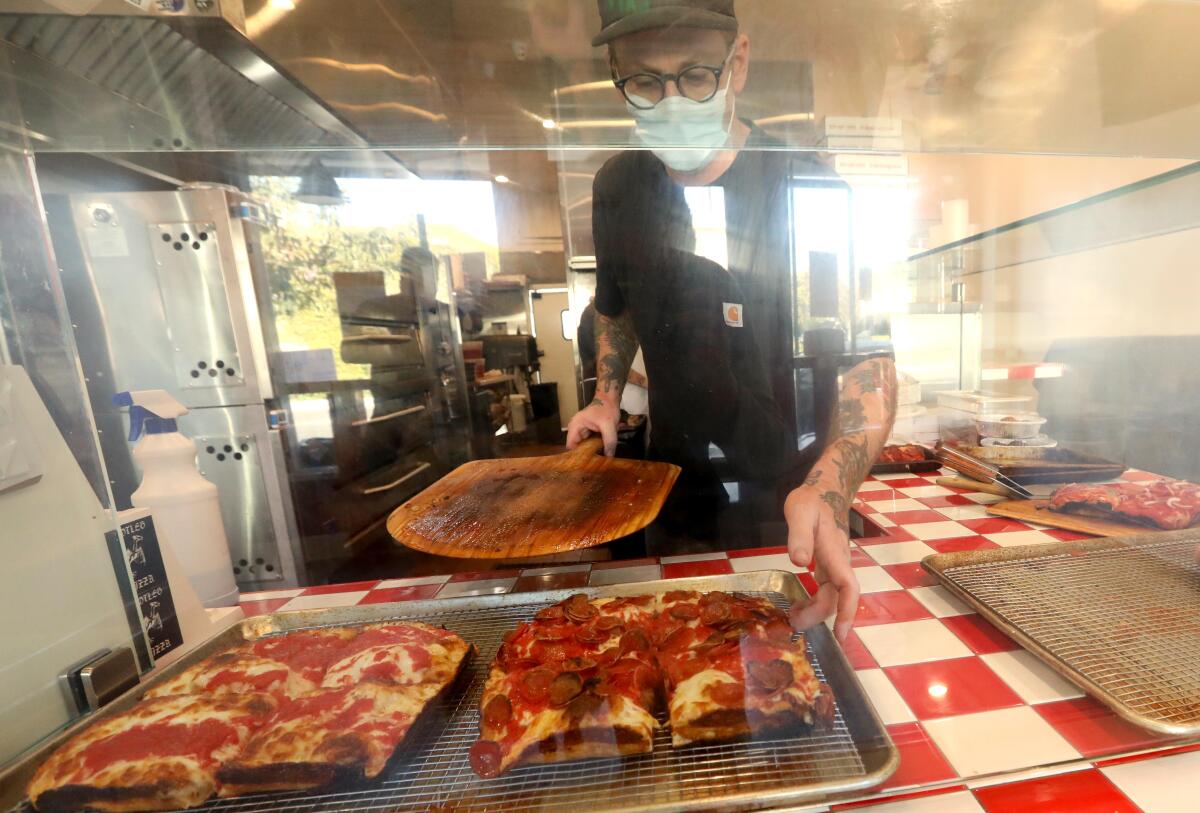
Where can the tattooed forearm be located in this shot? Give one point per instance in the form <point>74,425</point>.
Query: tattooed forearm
<point>865,414</point>
<point>616,345</point>
<point>841,509</point>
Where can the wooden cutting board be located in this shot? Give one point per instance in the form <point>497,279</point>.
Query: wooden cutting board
<point>1037,511</point>
<point>533,506</point>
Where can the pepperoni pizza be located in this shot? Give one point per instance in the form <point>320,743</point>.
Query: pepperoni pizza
<point>585,678</point>
<point>1167,504</point>
<point>304,710</point>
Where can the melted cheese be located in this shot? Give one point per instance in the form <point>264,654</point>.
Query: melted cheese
<point>236,674</point>
<point>376,715</point>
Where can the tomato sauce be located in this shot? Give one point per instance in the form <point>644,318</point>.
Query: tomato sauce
<point>258,682</point>
<point>200,740</point>
<point>308,653</point>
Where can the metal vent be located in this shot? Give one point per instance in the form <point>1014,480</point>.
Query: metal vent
<point>164,83</point>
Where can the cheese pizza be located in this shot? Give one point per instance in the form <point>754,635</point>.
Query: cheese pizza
<point>162,754</point>
<point>303,710</point>
<point>584,678</point>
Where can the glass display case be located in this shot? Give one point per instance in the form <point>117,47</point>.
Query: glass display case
<point>366,242</point>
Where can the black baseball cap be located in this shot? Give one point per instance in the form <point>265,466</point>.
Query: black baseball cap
<point>621,17</point>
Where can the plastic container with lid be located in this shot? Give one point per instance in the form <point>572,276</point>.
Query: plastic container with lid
<point>1012,425</point>
<point>957,410</point>
<point>981,403</point>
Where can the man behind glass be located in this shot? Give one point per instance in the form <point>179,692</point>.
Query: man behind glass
<point>717,341</point>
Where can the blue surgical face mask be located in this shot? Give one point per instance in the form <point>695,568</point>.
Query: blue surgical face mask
<point>677,122</point>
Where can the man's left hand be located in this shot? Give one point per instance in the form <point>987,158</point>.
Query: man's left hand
<point>817,534</point>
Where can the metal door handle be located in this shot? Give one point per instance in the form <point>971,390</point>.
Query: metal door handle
<point>397,414</point>
<point>380,489</point>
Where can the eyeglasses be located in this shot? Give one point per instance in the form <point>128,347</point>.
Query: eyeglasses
<point>696,82</point>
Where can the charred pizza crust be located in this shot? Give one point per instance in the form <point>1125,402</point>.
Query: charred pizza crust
<point>161,754</point>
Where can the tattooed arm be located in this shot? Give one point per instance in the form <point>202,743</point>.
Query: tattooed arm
<point>616,345</point>
<point>818,511</point>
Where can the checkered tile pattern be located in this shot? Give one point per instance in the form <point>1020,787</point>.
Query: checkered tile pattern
<point>977,719</point>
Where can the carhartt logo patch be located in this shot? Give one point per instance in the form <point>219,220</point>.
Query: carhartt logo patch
<point>733,313</point>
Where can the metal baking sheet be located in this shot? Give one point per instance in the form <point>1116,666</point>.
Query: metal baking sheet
<point>1119,617</point>
<point>434,773</point>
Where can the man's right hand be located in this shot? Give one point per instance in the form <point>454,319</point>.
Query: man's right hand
<point>596,417</point>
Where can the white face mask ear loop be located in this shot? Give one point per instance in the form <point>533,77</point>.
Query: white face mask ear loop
<point>729,91</point>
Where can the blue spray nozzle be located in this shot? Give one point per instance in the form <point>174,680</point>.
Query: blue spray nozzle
<point>143,419</point>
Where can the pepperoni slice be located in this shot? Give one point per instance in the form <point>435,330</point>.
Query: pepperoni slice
<point>485,758</point>
<point>607,657</point>
<point>712,614</point>
<point>678,640</point>
<point>552,632</point>
<point>678,595</point>
<point>727,695</point>
<point>591,635</point>
<point>635,640</point>
<point>771,675</point>
<point>579,609</point>
<point>552,613</point>
<point>534,685</point>
<point>608,623</point>
<point>496,715</point>
<point>684,612</point>
<point>565,688</point>
<point>713,640</point>
<point>580,664</point>
<point>625,665</point>
<point>715,597</point>
<point>779,632</point>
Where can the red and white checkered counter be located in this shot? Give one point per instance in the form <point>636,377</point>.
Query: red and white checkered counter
<point>981,724</point>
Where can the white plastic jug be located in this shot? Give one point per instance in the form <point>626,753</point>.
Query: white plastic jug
<point>185,507</point>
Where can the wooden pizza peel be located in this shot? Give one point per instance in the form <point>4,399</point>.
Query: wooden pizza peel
<point>1039,512</point>
<point>533,506</point>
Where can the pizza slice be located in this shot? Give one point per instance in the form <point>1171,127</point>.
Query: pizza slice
<point>578,681</point>
<point>326,738</point>
<point>742,688</point>
<point>162,754</point>
<point>399,653</point>
<point>387,676</point>
<point>732,669</point>
<point>237,671</point>
<point>1166,504</point>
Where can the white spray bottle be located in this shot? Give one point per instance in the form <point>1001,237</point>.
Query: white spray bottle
<point>186,510</point>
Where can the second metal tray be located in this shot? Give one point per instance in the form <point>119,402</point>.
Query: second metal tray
<point>434,773</point>
<point>1118,617</point>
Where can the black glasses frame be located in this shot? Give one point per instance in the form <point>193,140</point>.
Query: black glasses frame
<point>663,78</point>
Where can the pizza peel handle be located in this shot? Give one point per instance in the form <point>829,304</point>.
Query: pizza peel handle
<point>533,506</point>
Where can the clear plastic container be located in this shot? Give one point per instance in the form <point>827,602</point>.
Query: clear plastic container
<point>1012,425</point>
<point>981,403</point>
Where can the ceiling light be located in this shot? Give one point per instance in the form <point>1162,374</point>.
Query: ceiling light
<point>549,124</point>
<point>501,179</point>
<point>283,5</point>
